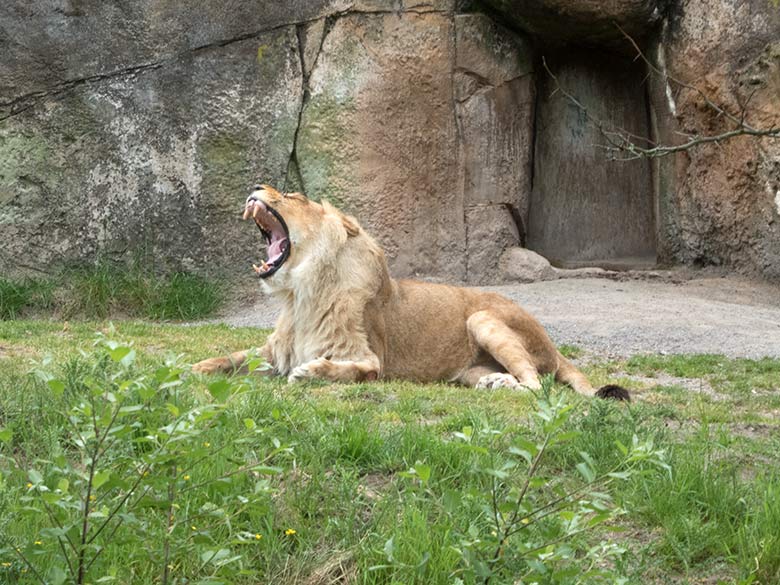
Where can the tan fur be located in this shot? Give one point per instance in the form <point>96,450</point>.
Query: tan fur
<point>345,319</point>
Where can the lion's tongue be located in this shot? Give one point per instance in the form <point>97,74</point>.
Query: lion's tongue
<point>275,250</point>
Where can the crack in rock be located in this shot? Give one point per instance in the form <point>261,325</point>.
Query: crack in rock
<point>31,99</point>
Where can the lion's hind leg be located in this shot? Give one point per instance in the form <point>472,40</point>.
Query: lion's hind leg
<point>487,375</point>
<point>492,335</point>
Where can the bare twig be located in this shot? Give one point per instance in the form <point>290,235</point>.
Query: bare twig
<point>623,145</point>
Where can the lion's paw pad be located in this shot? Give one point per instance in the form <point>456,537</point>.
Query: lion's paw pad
<point>299,373</point>
<point>497,380</point>
<point>307,371</point>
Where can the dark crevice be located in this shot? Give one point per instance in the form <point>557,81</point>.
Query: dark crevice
<point>293,167</point>
<point>294,173</point>
<point>459,142</point>
<point>532,165</point>
<point>517,218</point>
<point>25,102</point>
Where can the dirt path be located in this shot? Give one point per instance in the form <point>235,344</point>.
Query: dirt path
<point>611,318</point>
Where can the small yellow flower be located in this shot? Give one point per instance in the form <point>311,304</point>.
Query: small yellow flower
<point>525,521</point>
<point>194,527</point>
<point>6,564</point>
<point>146,473</point>
<point>207,444</point>
<point>290,531</point>
<point>92,498</point>
<point>29,485</point>
<point>258,536</point>
<point>38,542</point>
<point>186,478</point>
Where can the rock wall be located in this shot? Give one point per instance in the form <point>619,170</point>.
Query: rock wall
<point>720,203</point>
<point>137,128</point>
<point>129,128</point>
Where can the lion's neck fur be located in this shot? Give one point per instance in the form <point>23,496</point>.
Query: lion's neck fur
<point>323,301</point>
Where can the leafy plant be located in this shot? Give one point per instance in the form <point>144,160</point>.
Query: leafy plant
<point>528,526</point>
<point>136,466</point>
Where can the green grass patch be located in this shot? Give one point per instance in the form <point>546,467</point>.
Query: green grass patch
<point>570,351</point>
<point>109,289</point>
<point>373,483</point>
<point>728,375</point>
<point>19,296</point>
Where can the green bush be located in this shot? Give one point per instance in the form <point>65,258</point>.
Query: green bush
<point>141,481</point>
<point>524,525</point>
<point>137,461</point>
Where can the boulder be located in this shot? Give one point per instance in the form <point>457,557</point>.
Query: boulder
<point>495,104</point>
<point>378,138</point>
<point>523,265</point>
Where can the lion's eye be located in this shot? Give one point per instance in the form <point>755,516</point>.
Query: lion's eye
<point>257,187</point>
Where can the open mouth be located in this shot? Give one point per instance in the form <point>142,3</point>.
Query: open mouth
<point>275,233</point>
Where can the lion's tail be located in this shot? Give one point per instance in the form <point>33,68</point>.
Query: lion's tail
<point>569,374</point>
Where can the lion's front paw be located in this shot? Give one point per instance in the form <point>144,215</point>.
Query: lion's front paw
<point>498,380</point>
<point>209,366</point>
<point>309,370</point>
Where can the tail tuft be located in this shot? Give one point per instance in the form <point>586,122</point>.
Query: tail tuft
<point>613,392</point>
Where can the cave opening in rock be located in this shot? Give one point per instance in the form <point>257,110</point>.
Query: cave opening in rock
<point>585,209</point>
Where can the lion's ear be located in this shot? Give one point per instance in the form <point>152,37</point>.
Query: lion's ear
<point>350,225</point>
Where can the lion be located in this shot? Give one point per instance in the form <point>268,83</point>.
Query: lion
<point>345,319</point>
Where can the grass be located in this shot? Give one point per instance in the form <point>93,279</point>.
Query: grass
<point>18,295</point>
<point>344,487</point>
<point>109,289</point>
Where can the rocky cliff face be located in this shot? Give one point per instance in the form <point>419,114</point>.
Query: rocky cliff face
<point>721,202</point>
<point>137,127</point>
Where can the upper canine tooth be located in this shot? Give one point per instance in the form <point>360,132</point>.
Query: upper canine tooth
<point>256,211</point>
<point>248,210</point>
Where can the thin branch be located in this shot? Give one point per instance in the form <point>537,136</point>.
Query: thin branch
<point>715,107</point>
<point>20,554</point>
<point>623,145</point>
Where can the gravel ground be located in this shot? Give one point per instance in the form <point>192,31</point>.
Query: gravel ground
<point>610,318</point>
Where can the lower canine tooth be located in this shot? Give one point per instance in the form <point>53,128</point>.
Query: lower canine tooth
<point>247,211</point>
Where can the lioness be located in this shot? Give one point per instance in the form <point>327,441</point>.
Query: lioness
<point>345,319</point>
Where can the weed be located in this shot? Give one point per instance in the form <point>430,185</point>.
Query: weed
<point>758,539</point>
<point>735,376</point>
<point>18,295</point>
